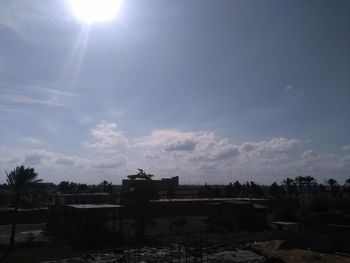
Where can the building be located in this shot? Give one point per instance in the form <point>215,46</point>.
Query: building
<point>164,184</point>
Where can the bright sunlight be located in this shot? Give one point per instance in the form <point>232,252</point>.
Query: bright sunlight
<point>90,11</point>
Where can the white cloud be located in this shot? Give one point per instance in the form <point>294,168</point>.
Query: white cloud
<point>30,140</point>
<point>107,135</point>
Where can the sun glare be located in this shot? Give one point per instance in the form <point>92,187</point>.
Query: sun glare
<point>91,11</point>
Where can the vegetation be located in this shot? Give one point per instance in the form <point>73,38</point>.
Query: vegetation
<point>138,199</point>
<point>19,180</point>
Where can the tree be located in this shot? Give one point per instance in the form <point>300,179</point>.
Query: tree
<point>138,199</point>
<point>237,188</point>
<point>288,182</point>
<point>347,186</point>
<point>274,189</point>
<point>229,190</point>
<point>106,187</point>
<point>140,175</point>
<point>19,180</point>
<point>300,181</point>
<point>309,180</point>
<point>333,184</point>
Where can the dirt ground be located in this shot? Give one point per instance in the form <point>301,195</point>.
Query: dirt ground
<point>272,249</point>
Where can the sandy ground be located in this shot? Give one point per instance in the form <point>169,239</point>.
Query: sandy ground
<point>271,249</point>
<point>24,233</point>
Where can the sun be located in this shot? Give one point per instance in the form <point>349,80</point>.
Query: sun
<point>90,11</point>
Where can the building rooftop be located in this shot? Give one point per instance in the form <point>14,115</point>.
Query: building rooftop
<point>211,199</point>
<point>285,223</point>
<point>84,194</point>
<point>94,206</point>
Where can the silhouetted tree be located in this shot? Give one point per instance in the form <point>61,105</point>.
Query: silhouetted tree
<point>256,189</point>
<point>289,183</point>
<point>333,184</point>
<point>300,181</point>
<point>170,194</point>
<point>274,189</point>
<point>82,188</point>
<point>19,180</point>
<point>237,188</point>
<point>64,187</point>
<point>229,190</point>
<point>346,186</point>
<point>309,180</point>
<point>106,187</point>
<point>138,199</point>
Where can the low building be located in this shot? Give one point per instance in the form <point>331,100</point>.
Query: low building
<point>285,226</point>
<point>164,184</point>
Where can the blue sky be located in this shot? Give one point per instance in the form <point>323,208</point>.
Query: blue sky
<point>212,91</point>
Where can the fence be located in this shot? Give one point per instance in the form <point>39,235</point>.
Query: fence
<point>191,248</point>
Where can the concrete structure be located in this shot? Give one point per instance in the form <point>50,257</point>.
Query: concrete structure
<point>163,184</point>
<point>85,217</point>
<point>87,198</point>
<point>285,226</point>
<point>233,213</point>
<point>91,218</point>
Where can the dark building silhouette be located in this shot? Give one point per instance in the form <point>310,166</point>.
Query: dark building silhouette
<point>163,184</point>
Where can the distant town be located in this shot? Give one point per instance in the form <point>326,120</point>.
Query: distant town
<point>302,212</point>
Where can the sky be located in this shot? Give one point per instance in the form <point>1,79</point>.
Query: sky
<point>211,91</point>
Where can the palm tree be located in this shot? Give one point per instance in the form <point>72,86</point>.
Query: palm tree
<point>347,186</point>
<point>288,182</point>
<point>309,180</point>
<point>18,181</point>
<point>300,181</point>
<point>333,185</point>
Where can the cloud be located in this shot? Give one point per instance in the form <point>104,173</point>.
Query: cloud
<point>187,145</point>
<point>36,157</point>
<point>115,162</point>
<point>287,88</point>
<point>346,148</point>
<point>65,161</point>
<point>22,99</point>
<point>116,113</point>
<point>107,136</point>
<point>33,94</point>
<point>30,140</point>
<point>184,145</point>
<point>308,154</point>
<point>47,90</point>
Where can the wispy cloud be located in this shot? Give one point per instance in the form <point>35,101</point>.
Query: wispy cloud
<point>33,94</point>
<point>21,99</point>
<point>42,89</point>
<point>116,113</point>
<point>86,119</point>
<point>30,140</point>
<point>346,148</point>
